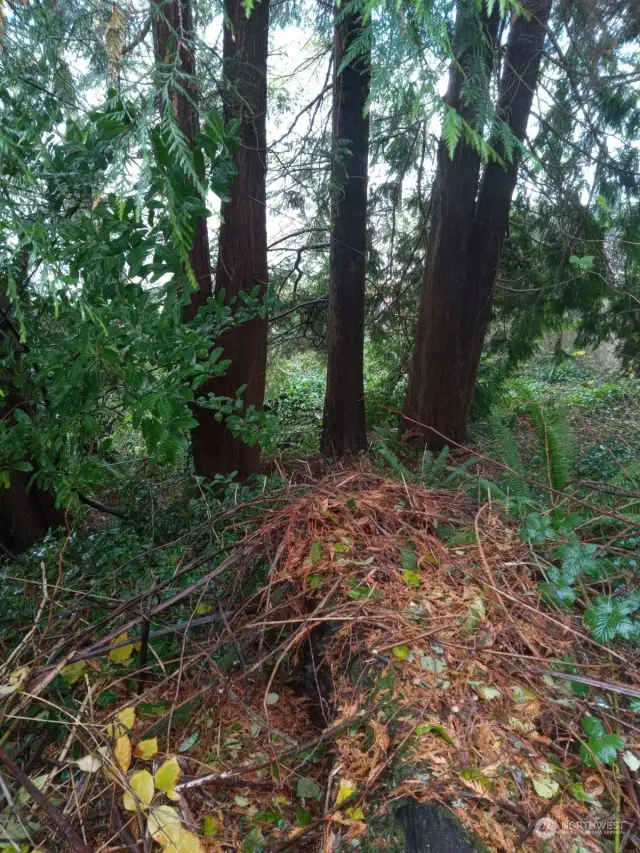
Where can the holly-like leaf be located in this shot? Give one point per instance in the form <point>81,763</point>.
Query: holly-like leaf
<point>141,793</point>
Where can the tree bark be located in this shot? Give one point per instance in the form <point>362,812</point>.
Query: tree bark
<point>173,41</point>
<point>437,380</point>
<point>26,514</point>
<point>469,224</point>
<point>242,257</point>
<point>344,430</point>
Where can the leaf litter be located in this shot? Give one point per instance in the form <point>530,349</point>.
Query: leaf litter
<point>373,661</point>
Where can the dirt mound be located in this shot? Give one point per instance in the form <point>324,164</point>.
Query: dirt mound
<point>392,644</point>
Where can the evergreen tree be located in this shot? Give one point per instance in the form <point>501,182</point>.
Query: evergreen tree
<point>344,429</point>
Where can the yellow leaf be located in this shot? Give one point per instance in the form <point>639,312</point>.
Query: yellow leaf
<point>90,763</point>
<point>141,793</point>
<point>354,813</point>
<point>146,749</point>
<point>159,821</point>
<point>345,790</point>
<point>122,752</point>
<point>127,718</point>
<point>73,671</point>
<point>181,840</point>
<point>16,681</point>
<point>167,776</point>
<point>122,654</point>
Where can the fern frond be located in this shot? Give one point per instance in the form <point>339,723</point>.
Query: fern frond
<point>509,454</point>
<point>554,435</point>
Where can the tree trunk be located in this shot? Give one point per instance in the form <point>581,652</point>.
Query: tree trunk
<point>26,515</point>
<point>242,256</point>
<point>517,88</point>
<point>436,383</point>
<point>466,238</point>
<point>173,30</point>
<point>344,430</point>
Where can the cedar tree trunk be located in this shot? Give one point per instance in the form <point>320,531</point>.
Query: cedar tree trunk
<point>344,431</point>
<point>173,31</point>
<point>242,256</point>
<point>469,222</point>
<point>26,514</point>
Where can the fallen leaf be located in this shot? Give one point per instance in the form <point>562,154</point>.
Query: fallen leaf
<point>545,786</point>
<point>146,749</point>
<point>89,764</point>
<point>158,822</point>
<point>345,790</point>
<point>210,826</point>
<point>272,698</point>
<point>123,653</point>
<point>241,801</point>
<point>72,672</point>
<point>631,760</point>
<point>308,789</point>
<point>141,793</point>
<point>122,752</point>
<point>167,776</point>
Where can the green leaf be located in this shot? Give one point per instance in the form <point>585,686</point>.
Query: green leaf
<point>303,818</point>
<point>308,789</point>
<point>364,593</point>
<point>592,726</point>
<point>314,581</point>
<point>545,786</point>
<point>209,826</point>
<point>408,559</point>
<point>22,466</point>
<point>579,793</point>
<point>401,652</point>
<point>411,578</point>
<point>316,552</point>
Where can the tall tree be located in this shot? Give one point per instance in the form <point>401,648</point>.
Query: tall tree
<point>470,215</point>
<point>242,257</point>
<point>174,49</point>
<point>26,512</point>
<point>344,429</point>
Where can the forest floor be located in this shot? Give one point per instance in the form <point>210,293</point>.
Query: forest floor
<point>280,667</point>
<point>392,644</point>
